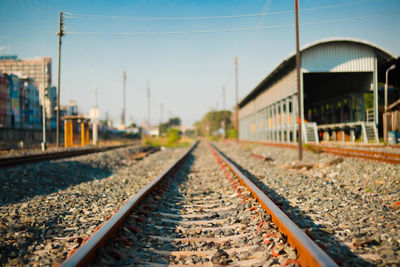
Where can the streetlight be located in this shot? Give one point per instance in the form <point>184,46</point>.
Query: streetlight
<point>385,134</point>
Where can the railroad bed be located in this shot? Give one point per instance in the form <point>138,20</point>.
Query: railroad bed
<point>200,214</point>
<point>46,208</point>
<point>199,219</point>
<point>350,206</point>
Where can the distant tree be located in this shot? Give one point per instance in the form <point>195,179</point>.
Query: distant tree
<point>133,125</point>
<point>163,128</point>
<point>173,135</point>
<point>213,121</point>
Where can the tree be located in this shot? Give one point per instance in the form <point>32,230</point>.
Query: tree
<point>213,121</point>
<point>163,128</point>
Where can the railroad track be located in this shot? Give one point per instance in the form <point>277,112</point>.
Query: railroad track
<point>393,158</point>
<point>202,210</point>
<point>387,157</point>
<point>19,160</point>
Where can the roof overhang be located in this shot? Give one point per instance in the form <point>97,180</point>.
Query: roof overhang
<point>289,63</point>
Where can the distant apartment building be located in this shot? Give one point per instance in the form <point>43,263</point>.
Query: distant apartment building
<point>31,109</point>
<point>32,68</point>
<point>4,99</point>
<point>19,102</point>
<point>14,110</point>
<point>39,69</point>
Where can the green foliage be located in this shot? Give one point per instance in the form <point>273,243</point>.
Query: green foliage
<point>170,123</point>
<point>155,142</point>
<point>369,100</point>
<point>231,133</point>
<point>213,121</point>
<point>173,136</point>
<point>213,138</point>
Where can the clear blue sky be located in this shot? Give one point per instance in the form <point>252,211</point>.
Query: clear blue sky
<point>185,71</point>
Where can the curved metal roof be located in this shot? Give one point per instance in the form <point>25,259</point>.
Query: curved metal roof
<point>289,62</point>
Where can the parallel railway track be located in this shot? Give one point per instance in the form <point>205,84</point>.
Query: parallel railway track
<point>200,210</point>
<point>19,160</point>
<point>393,158</point>
<point>387,157</point>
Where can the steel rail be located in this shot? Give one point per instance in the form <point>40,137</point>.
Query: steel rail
<point>85,254</point>
<point>14,161</point>
<point>387,157</point>
<point>310,254</point>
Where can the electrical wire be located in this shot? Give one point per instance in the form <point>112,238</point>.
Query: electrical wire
<point>80,15</point>
<point>234,29</point>
<point>178,32</point>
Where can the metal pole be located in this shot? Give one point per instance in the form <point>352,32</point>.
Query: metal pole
<point>95,125</point>
<point>161,112</point>
<point>124,100</point>
<point>95,97</point>
<point>148,104</point>
<point>60,34</point>
<point>298,64</point>
<point>385,124</point>
<point>237,98</point>
<point>385,135</point>
<point>224,108</point>
<point>223,97</point>
<point>43,106</point>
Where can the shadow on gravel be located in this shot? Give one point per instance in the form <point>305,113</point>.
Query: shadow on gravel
<point>339,252</point>
<point>19,251</point>
<point>26,181</point>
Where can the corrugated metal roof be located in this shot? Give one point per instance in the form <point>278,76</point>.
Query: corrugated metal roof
<point>338,57</point>
<point>289,63</point>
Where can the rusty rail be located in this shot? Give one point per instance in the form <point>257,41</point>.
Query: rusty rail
<point>309,252</point>
<point>393,158</point>
<point>87,251</point>
<point>14,161</point>
<point>387,157</point>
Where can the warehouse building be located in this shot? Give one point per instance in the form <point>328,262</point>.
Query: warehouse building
<point>339,94</point>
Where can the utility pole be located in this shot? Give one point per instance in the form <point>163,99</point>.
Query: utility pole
<point>161,112</point>
<point>223,97</point>
<point>237,97</point>
<point>43,105</point>
<point>298,64</point>
<point>148,103</point>
<point>95,97</point>
<point>60,34</point>
<point>223,108</point>
<point>94,115</point>
<point>123,100</point>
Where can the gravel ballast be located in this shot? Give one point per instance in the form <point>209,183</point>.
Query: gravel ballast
<point>201,218</point>
<point>347,206</point>
<point>46,209</point>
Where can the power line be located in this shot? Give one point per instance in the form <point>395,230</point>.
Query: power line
<point>349,19</point>
<point>132,18</point>
<point>233,29</point>
<point>178,32</point>
<point>73,16</point>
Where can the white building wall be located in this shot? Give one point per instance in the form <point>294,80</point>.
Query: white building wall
<point>281,89</point>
